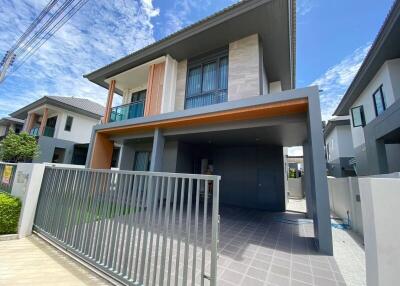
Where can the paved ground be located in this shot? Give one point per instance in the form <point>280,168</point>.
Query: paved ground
<point>31,261</point>
<point>256,248</point>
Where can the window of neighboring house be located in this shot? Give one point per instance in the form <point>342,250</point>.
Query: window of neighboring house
<point>379,101</point>
<point>68,123</point>
<point>142,161</point>
<point>328,155</point>
<point>207,80</point>
<point>357,114</point>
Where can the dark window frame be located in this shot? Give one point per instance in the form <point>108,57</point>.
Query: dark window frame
<point>201,61</point>
<point>70,125</point>
<point>380,91</point>
<point>361,114</point>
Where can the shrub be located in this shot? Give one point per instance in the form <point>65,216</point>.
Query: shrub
<point>10,208</point>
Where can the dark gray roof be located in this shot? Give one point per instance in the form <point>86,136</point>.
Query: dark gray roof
<point>11,120</point>
<point>385,47</point>
<point>273,20</point>
<point>79,105</point>
<point>332,123</point>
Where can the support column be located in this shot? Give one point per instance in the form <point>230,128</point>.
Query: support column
<point>44,121</point>
<point>126,157</point>
<point>376,154</point>
<point>307,179</point>
<point>157,152</point>
<point>29,122</point>
<point>102,151</point>
<point>319,183</point>
<point>110,97</point>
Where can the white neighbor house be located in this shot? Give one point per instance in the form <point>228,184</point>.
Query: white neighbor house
<point>373,102</point>
<point>63,126</point>
<point>339,147</point>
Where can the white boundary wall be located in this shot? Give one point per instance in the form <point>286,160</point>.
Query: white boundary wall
<point>344,196</point>
<point>380,198</point>
<point>295,187</point>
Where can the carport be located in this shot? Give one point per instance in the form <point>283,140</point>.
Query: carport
<point>242,141</point>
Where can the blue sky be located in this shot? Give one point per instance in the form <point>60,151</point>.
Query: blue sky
<point>332,39</point>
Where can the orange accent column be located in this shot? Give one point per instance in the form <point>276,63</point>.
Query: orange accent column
<point>31,120</point>
<point>44,121</point>
<point>154,89</point>
<point>102,152</point>
<point>110,97</point>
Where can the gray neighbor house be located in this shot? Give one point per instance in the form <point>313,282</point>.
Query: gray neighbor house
<point>219,97</point>
<point>373,102</point>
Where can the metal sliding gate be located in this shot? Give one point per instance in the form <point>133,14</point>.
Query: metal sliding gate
<point>141,228</point>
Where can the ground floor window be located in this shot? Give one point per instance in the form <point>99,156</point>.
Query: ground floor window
<point>142,161</point>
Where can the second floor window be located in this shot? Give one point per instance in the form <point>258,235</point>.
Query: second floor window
<point>136,108</point>
<point>207,80</point>
<point>357,114</point>
<point>379,101</point>
<point>68,123</point>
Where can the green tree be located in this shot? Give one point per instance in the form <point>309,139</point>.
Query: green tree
<point>18,147</point>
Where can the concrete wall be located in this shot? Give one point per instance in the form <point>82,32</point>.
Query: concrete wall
<point>27,183</point>
<point>47,146</point>
<point>380,198</point>
<point>181,85</point>
<point>344,197</point>
<point>169,86</point>
<point>295,187</point>
<point>244,76</point>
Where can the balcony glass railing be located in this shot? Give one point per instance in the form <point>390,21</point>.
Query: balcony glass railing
<point>34,131</point>
<point>48,131</point>
<point>127,111</point>
<point>204,99</point>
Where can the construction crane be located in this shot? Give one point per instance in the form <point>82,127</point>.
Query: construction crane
<point>54,15</point>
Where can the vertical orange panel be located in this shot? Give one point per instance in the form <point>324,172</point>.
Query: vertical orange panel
<point>102,152</point>
<point>110,97</point>
<point>44,121</point>
<point>154,89</point>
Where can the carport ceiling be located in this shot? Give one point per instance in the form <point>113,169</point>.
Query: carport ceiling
<point>290,134</point>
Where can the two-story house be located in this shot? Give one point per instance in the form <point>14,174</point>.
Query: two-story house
<point>218,97</point>
<point>62,125</point>
<point>373,101</point>
<point>10,123</point>
<point>339,147</point>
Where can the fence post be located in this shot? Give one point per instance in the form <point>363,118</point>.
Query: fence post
<point>27,183</point>
<point>214,234</point>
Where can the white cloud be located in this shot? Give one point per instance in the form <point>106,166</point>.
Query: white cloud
<point>295,151</point>
<point>102,31</point>
<point>335,81</point>
<point>304,7</point>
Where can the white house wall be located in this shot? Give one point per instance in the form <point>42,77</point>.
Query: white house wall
<point>81,129</point>
<point>389,70</point>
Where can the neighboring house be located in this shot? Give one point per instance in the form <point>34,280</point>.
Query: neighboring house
<point>373,101</point>
<point>63,126</point>
<point>218,97</point>
<point>10,123</point>
<point>339,147</point>
<point>296,163</point>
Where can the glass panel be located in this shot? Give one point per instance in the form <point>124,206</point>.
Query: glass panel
<point>209,77</point>
<point>223,73</point>
<point>206,99</point>
<point>194,81</point>
<point>142,160</point>
<point>379,102</point>
<point>358,116</point>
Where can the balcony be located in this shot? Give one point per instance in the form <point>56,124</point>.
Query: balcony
<point>34,131</point>
<point>127,111</point>
<point>48,131</point>
<point>204,99</point>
